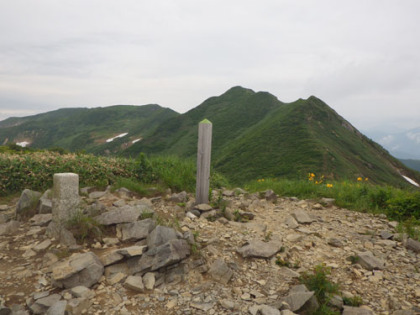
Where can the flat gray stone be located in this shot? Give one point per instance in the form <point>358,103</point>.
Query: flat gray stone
<point>203,207</point>
<point>260,249</point>
<point>413,245</point>
<point>79,269</point>
<point>82,292</point>
<point>348,310</point>
<point>124,214</point>
<point>42,246</point>
<point>220,271</point>
<point>386,235</point>
<point>58,308</point>
<point>111,258</point>
<point>370,262</point>
<point>134,283</point>
<point>291,222</point>
<point>132,251</point>
<point>135,231</point>
<point>9,228</point>
<point>302,216</point>
<point>41,219</point>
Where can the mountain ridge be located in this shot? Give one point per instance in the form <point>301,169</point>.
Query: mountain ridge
<point>255,135</point>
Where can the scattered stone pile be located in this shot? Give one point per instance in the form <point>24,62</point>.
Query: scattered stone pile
<point>165,255</point>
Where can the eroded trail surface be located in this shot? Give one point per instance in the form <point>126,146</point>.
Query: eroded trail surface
<point>201,262</point>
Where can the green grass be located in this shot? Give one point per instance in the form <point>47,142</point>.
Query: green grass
<point>318,282</point>
<point>397,204</point>
<point>84,227</point>
<point>35,170</point>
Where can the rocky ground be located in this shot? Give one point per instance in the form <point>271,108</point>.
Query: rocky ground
<point>162,256</point>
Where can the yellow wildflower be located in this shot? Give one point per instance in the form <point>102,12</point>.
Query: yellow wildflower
<point>359,179</point>
<point>329,185</point>
<point>366,179</point>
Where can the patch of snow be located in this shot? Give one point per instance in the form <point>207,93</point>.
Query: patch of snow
<point>137,140</point>
<point>410,181</point>
<point>22,144</point>
<point>119,136</point>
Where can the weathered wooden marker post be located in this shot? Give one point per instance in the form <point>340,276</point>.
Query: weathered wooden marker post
<point>203,161</point>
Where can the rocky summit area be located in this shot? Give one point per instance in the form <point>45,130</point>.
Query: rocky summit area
<point>243,254</point>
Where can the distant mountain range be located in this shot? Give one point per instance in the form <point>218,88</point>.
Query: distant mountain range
<point>254,136</point>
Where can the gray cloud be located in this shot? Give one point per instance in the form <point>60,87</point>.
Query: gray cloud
<point>359,57</point>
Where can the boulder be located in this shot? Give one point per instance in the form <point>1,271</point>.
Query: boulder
<point>291,222</point>
<point>45,203</point>
<point>301,302</point>
<point>181,197</point>
<point>170,253</point>
<point>58,308</point>
<point>220,271</point>
<point>125,214</point>
<point>160,235</point>
<point>134,283</point>
<point>9,228</point>
<point>413,245</point>
<point>149,280</point>
<point>256,248</point>
<point>302,216</point>
<point>27,203</point>
<point>79,269</point>
<point>370,262</point>
<point>41,305</point>
<point>135,231</point>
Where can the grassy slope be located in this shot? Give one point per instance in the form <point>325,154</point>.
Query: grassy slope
<point>307,136</point>
<point>413,164</point>
<point>231,114</point>
<point>82,128</point>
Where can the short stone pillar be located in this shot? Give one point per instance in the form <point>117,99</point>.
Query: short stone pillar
<point>65,197</point>
<point>205,128</point>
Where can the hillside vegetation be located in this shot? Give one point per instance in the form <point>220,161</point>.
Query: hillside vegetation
<point>254,136</point>
<point>85,129</point>
<point>413,164</point>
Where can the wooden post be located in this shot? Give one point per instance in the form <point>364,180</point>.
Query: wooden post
<point>203,161</point>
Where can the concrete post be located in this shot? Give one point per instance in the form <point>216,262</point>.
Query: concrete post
<point>203,161</point>
<point>65,197</point>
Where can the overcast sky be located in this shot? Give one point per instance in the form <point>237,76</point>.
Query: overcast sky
<point>360,57</point>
